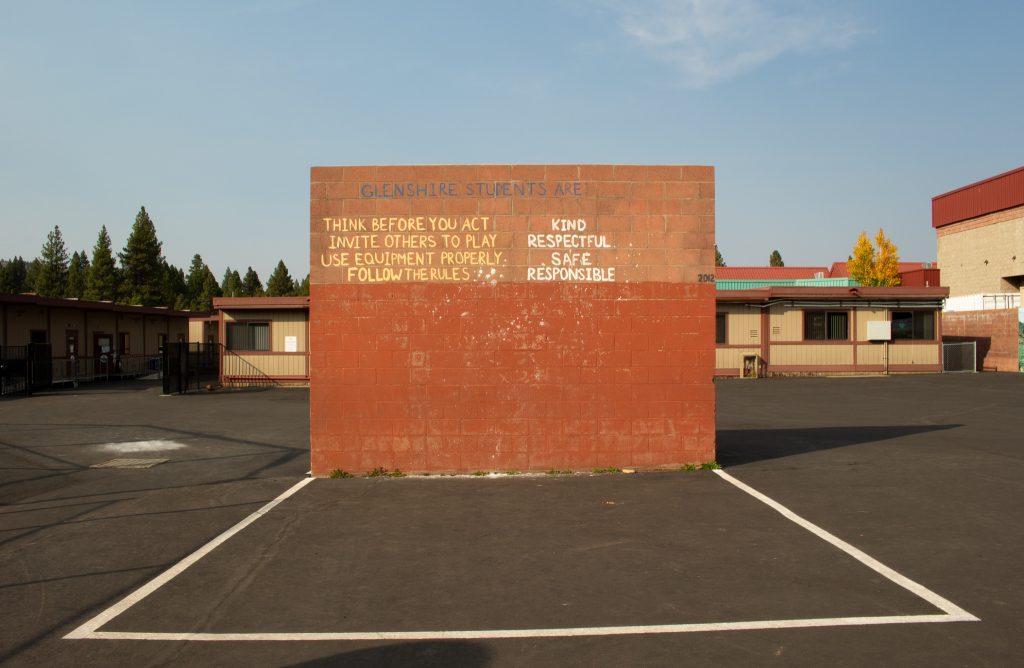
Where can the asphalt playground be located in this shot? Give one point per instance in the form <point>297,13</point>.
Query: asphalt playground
<point>856,521</point>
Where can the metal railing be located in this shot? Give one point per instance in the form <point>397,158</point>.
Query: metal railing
<point>196,366</point>
<point>238,371</point>
<point>74,370</point>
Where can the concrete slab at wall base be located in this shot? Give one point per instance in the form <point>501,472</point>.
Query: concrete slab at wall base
<point>506,317</point>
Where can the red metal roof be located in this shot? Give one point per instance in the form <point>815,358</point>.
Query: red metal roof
<point>1003,191</point>
<point>768,273</point>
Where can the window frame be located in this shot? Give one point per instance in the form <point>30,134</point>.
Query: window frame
<point>725,329</point>
<point>914,313</point>
<point>826,313</point>
<point>249,339</point>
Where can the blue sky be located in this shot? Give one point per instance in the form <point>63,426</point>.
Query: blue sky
<point>822,118</point>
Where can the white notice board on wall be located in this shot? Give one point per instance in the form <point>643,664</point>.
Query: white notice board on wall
<point>291,344</point>
<point>879,330</point>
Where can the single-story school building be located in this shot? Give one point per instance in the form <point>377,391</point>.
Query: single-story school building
<point>90,339</point>
<point>259,339</point>
<point>818,320</point>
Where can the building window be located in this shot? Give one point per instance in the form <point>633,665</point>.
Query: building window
<point>720,328</point>
<point>826,326</point>
<point>913,325</point>
<point>248,336</point>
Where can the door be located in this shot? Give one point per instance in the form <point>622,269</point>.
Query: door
<point>102,352</point>
<point>71,352</point>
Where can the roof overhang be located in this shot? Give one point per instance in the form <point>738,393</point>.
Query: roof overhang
<point>259,303</point>
<point>29,299</point>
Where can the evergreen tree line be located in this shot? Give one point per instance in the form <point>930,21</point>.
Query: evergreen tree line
<point>142,275</point>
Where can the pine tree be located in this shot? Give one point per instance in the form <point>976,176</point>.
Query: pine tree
<point>775,260</point>
<point>173,289</point>
<point>32,271</point>
<point>14,275</point>
<point>251,285</point>
<point>143,279</point>
<point>719,260</point>
<point>101,281</point>
<point>78,273</point>
<point>302,287</point>
<point>201,286</point>
<point>53,266</point>
<point>231,285</point>
<point>209,290</point>
<point>280,283</point>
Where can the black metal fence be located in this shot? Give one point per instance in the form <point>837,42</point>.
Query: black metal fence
<point>25,369</point>
<point>190,366</point>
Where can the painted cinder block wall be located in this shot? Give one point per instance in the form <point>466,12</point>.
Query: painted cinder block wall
<point>472,363</point>
<point>994,332</point>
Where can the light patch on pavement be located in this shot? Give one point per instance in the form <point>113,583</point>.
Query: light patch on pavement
<point>142,446</point>
<point>129,463</point>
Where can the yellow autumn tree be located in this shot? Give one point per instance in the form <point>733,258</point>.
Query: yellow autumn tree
<point>887,261</point>
<point>862,262</point>
<point>874,266</point>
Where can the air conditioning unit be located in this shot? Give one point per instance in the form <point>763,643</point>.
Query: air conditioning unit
<point>819,274</point>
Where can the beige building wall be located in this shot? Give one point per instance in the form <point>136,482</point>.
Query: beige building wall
<point>732,358</point>
<point>785,323</point>
<point>283,323</point>
<point>270,364</point>
<point>976,255</point>
<point>21,320</point>
<point>178,330</point>
<point>131,325</point>
<point>155,326</point>
<point>913,353</point>
<point>742,325</point>
<point>61,322</point>
<point>812,355</point>
<point>871,354</point>
<point>195,331</point>
<point>866,315</point>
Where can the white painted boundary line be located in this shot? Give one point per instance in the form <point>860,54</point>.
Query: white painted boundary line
<point>951,612</point>
<point>534,633</point>
<point>89,629</point>
<point>939,602</point>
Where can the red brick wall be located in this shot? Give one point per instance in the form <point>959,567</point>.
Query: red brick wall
<point>994,331</point>
<point>425,359</point>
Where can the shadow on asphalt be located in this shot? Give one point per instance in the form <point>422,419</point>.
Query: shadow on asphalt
<point>435,653</point>
<point>745,446</point>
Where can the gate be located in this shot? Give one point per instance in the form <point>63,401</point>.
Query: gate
<point>960,357</point>
<point>25,369</point>
<point>189,366</point>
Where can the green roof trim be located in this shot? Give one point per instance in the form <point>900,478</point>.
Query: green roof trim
<point>738,284</point>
